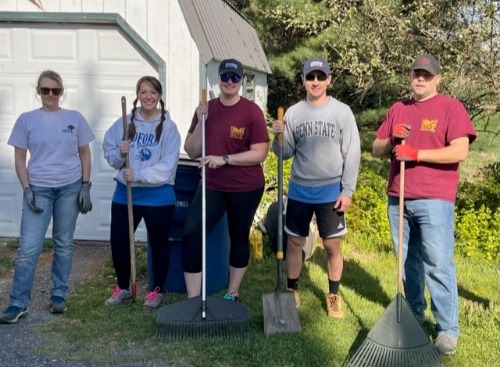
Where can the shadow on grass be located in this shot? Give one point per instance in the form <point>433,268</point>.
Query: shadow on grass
<point>358,280</point>
<point>468,295</point>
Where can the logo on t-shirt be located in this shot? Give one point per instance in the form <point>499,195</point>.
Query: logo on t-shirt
<point>429,125</point>
<point>69,129</point>
<point>237,133</point>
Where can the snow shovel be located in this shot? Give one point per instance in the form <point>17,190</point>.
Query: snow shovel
<point>280,311</point>
<point>397,339</point>
<point>133,283</point>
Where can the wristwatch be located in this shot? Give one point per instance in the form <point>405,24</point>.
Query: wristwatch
<point>225,158</point>
<point>87,182</point>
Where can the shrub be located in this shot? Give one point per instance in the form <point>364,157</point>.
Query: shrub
<point>478,233</point>
<point>367,217</point>
<point>477,221</point>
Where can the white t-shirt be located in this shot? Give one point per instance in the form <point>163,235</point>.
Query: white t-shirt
<point>52,140</point>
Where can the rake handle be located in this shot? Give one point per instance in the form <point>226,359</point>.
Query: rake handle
<point>129,206</point>
<point>203,214</point>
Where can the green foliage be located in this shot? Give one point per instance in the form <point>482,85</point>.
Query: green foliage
<point>271,178</point>
<point>484,191</point>
<point>367,219</point>
<point>371,45</point>
<point>478,215</point>
<point>478,232</point>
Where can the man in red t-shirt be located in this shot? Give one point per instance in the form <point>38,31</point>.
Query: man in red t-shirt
<point>437,132</point>
<point>236,143</point>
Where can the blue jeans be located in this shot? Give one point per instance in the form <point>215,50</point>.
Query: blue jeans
<point>428,243</point>
<point>59,204</point>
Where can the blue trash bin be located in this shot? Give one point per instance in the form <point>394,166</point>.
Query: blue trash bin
<point>217,261</point>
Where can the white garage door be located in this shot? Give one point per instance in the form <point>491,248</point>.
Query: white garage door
<point>98,66</point>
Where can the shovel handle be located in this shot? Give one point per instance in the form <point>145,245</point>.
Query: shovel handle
<point>281,113</point>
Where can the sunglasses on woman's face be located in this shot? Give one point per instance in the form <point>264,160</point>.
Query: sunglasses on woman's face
<point>55,91</point>
<point>234,78</point>
<point>321,77</point>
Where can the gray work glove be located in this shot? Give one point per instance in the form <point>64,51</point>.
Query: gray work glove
<point>30,200</point>
<point>84,202</point>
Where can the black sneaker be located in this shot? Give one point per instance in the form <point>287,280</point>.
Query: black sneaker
<point>58,305</point>
<point>12,314</point>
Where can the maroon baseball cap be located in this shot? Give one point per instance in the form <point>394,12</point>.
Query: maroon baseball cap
<point>427,63</point>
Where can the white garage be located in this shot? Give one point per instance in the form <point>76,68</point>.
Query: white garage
<point>101,48</point>
<point>98,66</point>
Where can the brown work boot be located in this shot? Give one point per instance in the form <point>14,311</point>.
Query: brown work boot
<point>334,306</point>
<point>296,295</point>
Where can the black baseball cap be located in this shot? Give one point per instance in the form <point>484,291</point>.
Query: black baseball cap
<point>231,66</point>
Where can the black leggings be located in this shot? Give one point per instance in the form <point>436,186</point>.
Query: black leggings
<point>157,220</point>
<point>240,208</point>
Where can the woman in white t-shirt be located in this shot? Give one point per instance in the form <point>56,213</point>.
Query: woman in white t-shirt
<point>56,184</point>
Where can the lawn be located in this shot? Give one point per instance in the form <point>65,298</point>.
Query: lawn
<point>368,286</point>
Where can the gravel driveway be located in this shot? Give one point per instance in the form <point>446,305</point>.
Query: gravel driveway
<point>18,342</point>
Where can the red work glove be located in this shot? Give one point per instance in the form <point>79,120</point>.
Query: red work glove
<point>400,132</point>
<point>406,152</point>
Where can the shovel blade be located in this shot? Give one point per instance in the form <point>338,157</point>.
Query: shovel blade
<point>280,313</point>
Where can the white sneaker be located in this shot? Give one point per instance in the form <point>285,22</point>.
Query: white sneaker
<point>445,344</point>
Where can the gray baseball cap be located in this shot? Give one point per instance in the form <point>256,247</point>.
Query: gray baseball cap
<point>427,63</point>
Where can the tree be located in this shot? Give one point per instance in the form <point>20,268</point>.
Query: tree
<point>372,43</point>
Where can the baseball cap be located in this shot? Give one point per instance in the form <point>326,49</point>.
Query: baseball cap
<point>316,63</point>
<point>231,66</point>
<point>427,63</point>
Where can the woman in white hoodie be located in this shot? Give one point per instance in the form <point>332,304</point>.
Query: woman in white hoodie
<point>153,144</point>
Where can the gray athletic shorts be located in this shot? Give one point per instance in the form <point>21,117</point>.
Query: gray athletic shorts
<point>331,222</point>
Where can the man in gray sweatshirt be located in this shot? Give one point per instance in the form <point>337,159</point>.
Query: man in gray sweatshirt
<point>321,135</point>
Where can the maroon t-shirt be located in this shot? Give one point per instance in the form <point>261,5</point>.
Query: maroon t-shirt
<point>230,130</point>
<point>435,123</point>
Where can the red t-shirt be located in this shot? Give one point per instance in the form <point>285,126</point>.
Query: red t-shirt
<point>435,123</point>
<point>230,130</point>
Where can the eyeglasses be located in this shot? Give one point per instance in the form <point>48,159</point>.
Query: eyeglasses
<point>55,91</point>
<point>321,77</point>
<point>234,78</point>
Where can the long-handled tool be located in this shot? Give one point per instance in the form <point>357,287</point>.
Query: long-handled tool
<point>202,317</point>
<point>133,283</point>
<point>398,339</point>
<point>280,310</point>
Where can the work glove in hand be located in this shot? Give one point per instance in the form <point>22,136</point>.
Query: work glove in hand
<point>30,200</point>
<point>84,202</point>
<point>406,153</point>
<point>400,132</point>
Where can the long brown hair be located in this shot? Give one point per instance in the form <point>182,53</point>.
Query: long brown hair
<point>158,88</point>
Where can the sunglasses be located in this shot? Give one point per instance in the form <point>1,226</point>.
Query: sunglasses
<point>321,77</point>
<point>234,78</point>
<point>55,91</point>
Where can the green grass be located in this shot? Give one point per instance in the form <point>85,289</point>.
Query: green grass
<point>369,284</point>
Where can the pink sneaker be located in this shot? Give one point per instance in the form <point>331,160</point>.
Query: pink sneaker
<point>153,299</point>
<point>119,296</point>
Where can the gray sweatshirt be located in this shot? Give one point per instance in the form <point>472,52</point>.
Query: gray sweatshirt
<point>324,142</point>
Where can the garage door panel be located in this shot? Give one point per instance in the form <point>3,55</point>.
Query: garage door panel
<point>61,48</point>
<point>5,45</point>
<point>10,213</point>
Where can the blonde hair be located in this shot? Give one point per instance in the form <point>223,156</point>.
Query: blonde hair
<point>51,75</point>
